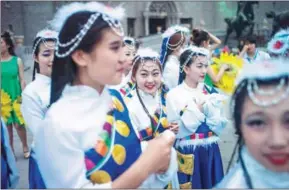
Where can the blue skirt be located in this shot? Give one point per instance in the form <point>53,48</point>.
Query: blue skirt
<point>4,173</point>
<point>35,178</point>
<point>200,167</point>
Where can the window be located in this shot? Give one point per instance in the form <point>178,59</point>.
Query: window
<point>188,22</point>
<point>130,27</point>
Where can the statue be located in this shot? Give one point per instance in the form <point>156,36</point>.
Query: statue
<point>280,20</point>
<point>244,19</point>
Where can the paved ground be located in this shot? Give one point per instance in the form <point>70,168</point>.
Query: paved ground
<point>227,143</point>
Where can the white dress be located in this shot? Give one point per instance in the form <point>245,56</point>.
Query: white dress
<point>35,102</point>
<point>141,121</point>
<point>260,176</point>
<point>183,97</point>
<point>171,72</point>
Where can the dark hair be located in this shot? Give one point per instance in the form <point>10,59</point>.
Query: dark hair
<point>137,44</point>
<point>6,36</point>
<point>187,60</point>
<point>36,68</point>
<point>129,42</point>
<point>237,105</point>
<point>173,40</point>
<point>199,36</point>
<point>251,39</point>
<point>64,70</point>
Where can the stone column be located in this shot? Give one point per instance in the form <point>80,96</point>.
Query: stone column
<point>146,25</point>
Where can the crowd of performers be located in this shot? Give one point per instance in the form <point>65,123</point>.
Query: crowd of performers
<point>105,113</point>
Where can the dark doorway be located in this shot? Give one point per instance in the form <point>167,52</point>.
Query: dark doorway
<point>130,27</point>
<point>155,22</point>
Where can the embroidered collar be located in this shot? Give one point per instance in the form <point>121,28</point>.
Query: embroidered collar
<point>148,98</point>
<point>186,87</point>
<point>83,91</point>
<point>173,58</point>
<point>249,59</point>
<point>43,78</point>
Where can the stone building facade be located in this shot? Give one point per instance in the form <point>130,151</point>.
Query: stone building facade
<point>143,18</point>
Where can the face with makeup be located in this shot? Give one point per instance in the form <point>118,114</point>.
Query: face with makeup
<point>196,71</point>
<point>129,52</point>
<point>104,65</point>
<point>45,57</point>
<point>148,76</point>
<point>266,131</point>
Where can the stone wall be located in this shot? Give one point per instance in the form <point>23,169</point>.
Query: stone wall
<point>28,17</point>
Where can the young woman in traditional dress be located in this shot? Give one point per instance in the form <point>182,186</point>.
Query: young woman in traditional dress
<point>173,42</point>
<point>201,120</point>
<point>36,96</point>
<point>129,45</point>
<point>260,107</point>
<point>147,107</point>
<point>201,38</point>
<point>87,140</point>
<point>260,111</point>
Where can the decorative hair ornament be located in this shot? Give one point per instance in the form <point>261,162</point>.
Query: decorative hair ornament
<point>43,35</point>
<point>110,15</point>
<point>267,70</point>
<point>279,44</point>
<point>146,53</point>
<point>129,42</point>
<point>166,38</point>
<point>195,51</point>
<point>173,30</point>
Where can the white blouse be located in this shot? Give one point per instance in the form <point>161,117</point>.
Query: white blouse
<point>140,121</point>
<point>138,116</point>
<point>260,176</point>
<point>184,96</point>
<point>35,102</point>
<point>171,72</point>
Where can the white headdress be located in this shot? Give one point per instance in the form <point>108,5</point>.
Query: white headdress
<point>43,35</point>
<point>279,44</point>
<point>143,53</point>
<point>130,45</point>
<point>265,70</point>
<point>173,30</point>
<point>195,51</point>
<point>110,15</point>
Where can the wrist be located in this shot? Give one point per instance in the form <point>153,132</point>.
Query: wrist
<point>145,165</point>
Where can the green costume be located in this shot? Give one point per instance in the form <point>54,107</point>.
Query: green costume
<point>11,92</point>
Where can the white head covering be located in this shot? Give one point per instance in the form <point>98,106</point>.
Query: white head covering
<point>110,15</point>
<point>279,44</point>
<point>43,35</point>
<point>265,70</point>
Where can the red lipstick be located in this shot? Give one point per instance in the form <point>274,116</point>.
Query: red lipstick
<point>278,159</point>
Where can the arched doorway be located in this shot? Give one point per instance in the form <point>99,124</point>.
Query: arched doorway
<point>159,15</point>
